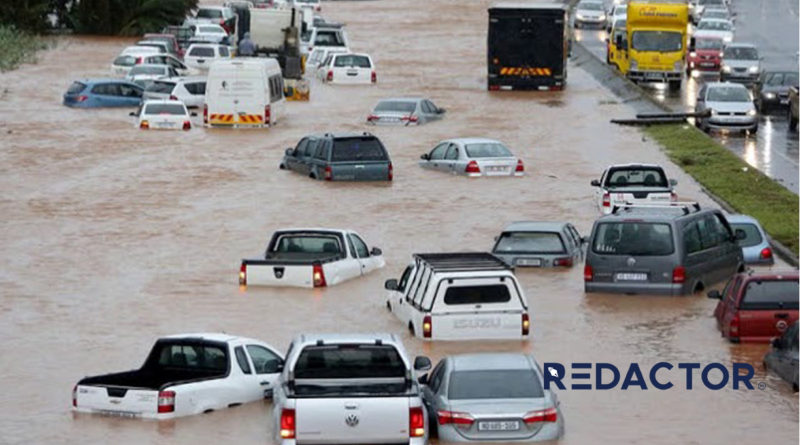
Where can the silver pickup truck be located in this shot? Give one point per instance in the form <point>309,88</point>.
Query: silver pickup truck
<point>349,388</point>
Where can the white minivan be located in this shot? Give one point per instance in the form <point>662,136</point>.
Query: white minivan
<point>459,296</point>
<point>244,93</point>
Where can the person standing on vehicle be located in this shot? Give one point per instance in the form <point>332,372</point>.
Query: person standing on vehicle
<point>246,46</point>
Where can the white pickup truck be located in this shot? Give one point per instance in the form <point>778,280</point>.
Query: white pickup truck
<point>184,375</point>
<point>633,184</point>
<point>459,296</point>
<point>350,388</point>
<point>311,258</point>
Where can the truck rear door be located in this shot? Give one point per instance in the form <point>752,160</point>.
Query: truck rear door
<point>117,401</point>
<point>767,308</point>
<point>352,420</point>
<point>278,274</point>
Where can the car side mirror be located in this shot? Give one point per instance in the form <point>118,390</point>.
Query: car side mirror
<point>673,182</point>
<point>375,252</point>
<point>714,294</point>
<point>132,113</point>
<point>595,183</point>
<point>425,156</point>
<point>289,151</point>
<point>422,363</point>
<point>440,110</point>
<point>423,379</point>
<point>390,284</point>
<point>584,240</point>
<point>193,114</point>
<point>776,343</point>
<point>740,234</point>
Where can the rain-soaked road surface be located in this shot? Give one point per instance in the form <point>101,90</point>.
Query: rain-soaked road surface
<point>772,26</point>
<point>112,237</point>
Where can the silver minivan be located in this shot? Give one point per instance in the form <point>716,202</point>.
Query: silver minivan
<point>670,250</point>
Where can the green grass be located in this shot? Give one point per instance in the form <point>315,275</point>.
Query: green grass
<point>18,47</point>
<point>728,177</point>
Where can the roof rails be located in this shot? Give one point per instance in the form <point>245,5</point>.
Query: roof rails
<point>687,206</point>
<point>462,261</point>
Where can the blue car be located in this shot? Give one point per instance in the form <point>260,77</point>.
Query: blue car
<point>94,93</point>
<point>755,245</point>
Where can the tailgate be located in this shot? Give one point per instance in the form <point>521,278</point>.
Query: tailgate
<point>352,75</point>
<point>641,196</point>
<point>476,325</point>
<point>357,420</point>
<point>279,275</point>
<point>360,171</point>
<point>117,401</point>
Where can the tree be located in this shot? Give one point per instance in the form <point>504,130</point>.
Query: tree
<point>128,17</point>
<point>26,15</point>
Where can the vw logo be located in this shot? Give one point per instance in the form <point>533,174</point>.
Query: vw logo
<point>278,273</point>
<point>781,325</point>
<point>631,261</point>
<point>351,420</point>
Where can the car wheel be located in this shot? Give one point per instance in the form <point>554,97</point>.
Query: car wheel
<point>675,85</point>
<point>753,130</point>
<point>282,166</point>
<point>312,176</point>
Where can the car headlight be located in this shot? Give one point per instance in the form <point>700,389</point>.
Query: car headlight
<point>692,54</point>
<point>602,17</point>
<point>579,16</point>
<point>769,95</point>
<point>714,112</point>
<point>753,69</point>
<point>752,112</point>
<point>634,65</point>
<point>728,39</point>
<point>726,68</point>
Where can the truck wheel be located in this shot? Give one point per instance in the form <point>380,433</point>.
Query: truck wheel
<point>674,85</point>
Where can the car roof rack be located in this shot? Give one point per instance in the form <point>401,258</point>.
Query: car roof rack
<point>462,261</point>
<point>687,206</point>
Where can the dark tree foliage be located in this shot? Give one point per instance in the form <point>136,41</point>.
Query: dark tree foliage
<point>26,15</point>
<point>128,17</point>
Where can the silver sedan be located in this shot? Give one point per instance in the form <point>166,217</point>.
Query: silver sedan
<point>473,157</point>
<point>405,111</point>
<point>539,244</point>
<point>491,397</point>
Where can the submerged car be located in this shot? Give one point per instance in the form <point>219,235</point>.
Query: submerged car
<point>405,111</point>
<point>340,157</point>
<point>772,89</point>
<point>473,157</point>
<point>730,107</point>
<point>539,244</point>
<point>163,115</point>
<point>92,93</point>
<point>491,397</point>
<point>782,357</point>
<point>755,244</point>
<point>740,63</point>
<point>144,74</point>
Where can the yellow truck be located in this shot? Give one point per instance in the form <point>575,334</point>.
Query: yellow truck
<point>655,49</point>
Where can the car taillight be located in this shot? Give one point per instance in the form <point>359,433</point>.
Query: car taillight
<point>565,262</point>
<point>372,117</point>
<point>416,422</point>
<point>391,171</point>
<point>330,75</point>
<point>588,273</point>
<point>82,98</point>
<point>173,97</point>
<point>139,60</point>
<point>606,199</point>
<point>144,125</point>
<point>205,113</point>
<point>267,114</point>
<point>328,173</point>
<point>454,418</point>
<point>319,276</point>
<point>766,253</point>
<point>679,274</point>
<point>427,326</point>
<point>544,415</point>
<point>673,197</point>
<point>520,166</point>
<point>243,275</point>
<point>472,167</point>
<point>287,424</point>
<point>526,323</point>
<point>187,125</point>
<point>75,396</point>
<point>166,401</point>
<point>374,77</point>
<point>734,326</point>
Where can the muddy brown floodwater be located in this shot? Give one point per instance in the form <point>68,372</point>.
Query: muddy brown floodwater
<point>113,236</point>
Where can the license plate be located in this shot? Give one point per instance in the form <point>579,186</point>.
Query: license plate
<point>784,101</point>
<point>498,426</point>
<point>529,262</point>
<point>165,124</point>
<point>108,412</point>
<point>631,277</point>
<point>706,64</point>
<point>496,169</point>
<point>653,75</point>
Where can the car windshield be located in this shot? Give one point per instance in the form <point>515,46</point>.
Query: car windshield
<point>308,244</point>
<point>770,294</point>
<point>636,177</point>
<point>741,53</point>
<point>633,238</point>
<point>173,109</point>
<point>714,25</point>
<point>708,44</point>
<point>494,384</point>
<point>487,150</point>
<point>352,60</point>
<point>781,79</point>
<point>160,86</point>
<point>358,149</point>
<point>663,41</point>
<point>209,14</point>
<point>728,94</point>
<point>753,236</point>
<point>211,30</point>
<point>715,14</point>
<point>142,69</point>
<point>125,61</point>
<point>201,51</point>
<point>591,6</point>
<point>349,362</point>
<point>76,88</point>
<point>529,242</point>
<point>396,106</point>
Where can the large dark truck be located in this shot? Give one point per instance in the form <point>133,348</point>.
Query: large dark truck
<point>527,46</point>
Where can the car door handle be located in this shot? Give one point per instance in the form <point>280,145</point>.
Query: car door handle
<point>264,383</point>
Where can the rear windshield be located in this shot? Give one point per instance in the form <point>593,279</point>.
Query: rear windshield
<point>741,53</point>
<point>202,51</point>
<point>211,30</point>
<point>753,237</point>
<point>159,86</point>
<point>770,294</point>
<point>201,357</point>
<point>396,106</point>
<point>493,293</point>
<point>636,177</point>
<point>530,242</point>
<point>779,79</point>
<point>708,44</point>
<point>714,25</point>
<point>328,38</point>
<point>349,362</point>
<point>148,70</point>
<point>494,384</point>
<point>355,61</point>
<point>174,109</point>
<point>125,61</point>
<point>76,88</point>
<point>633,238</point>
<point>358,149</point>
<point>308,244</point>
<point>487,150</point>
<point>728,94</point>
<point>209,14</point>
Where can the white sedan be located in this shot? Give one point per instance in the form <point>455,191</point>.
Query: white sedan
<point>163,115</point>
<point>210,33</point>
<point>714,28</point>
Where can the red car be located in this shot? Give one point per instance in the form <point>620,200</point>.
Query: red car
<point>757,307</point>
<point>705,56</point>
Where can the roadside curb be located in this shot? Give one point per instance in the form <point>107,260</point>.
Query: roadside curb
<point>635,96</point>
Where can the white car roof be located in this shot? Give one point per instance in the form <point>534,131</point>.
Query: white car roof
<point>212,336</point>
<point>203,45</point>
<point>139,50</point>
<point>464,141</point>
<point>162,101</point>
<point>312,229</point>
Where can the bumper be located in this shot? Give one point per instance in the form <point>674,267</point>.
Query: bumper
<point>634,288</point>
<point>738,77</point>
<point>732,122</point>
<point>549,431</point>
<point>704,66</point>
<point>591,21</point>
<point>655,76</point>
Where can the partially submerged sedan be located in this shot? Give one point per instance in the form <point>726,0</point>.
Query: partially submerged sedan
<point>163,115</point>
<point>92,93</point>
<point>405,111</point>
<point>473,157</point>
<point>539,244</point>
<point>755,244</point>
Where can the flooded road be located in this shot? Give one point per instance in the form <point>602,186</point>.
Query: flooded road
<point>112,237</point>
<point>772,26</point>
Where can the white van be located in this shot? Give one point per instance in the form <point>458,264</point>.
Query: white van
<point>459,296</point>
<point>244,93</point>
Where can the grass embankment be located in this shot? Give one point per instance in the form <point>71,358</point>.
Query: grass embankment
<point>18,47</point>
<point>728,177</point>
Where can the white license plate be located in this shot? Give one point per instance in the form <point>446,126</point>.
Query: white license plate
<point>498,426</point>
<point>496,169</point>
<point>529,262</point>
<point>784,101</point>
<point>108,412</point>
<point>653,75</point>
<point>631,277</point>
<point>707,64</point>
